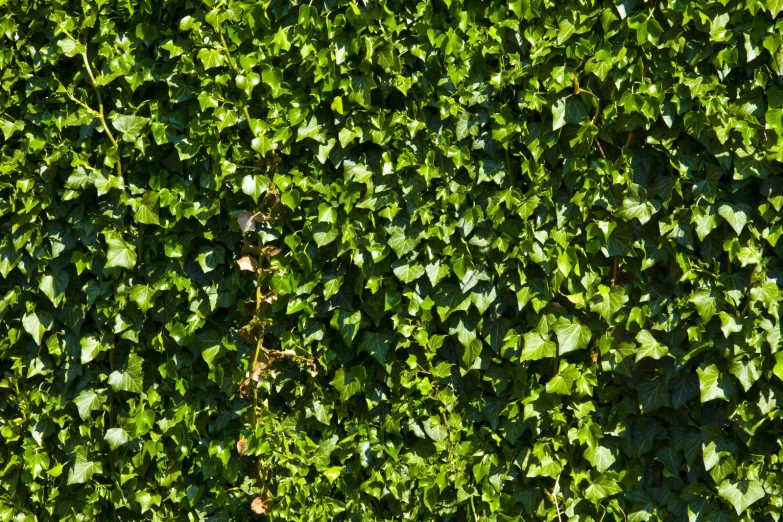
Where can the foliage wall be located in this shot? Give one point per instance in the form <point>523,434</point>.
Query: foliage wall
<point>391,260</point>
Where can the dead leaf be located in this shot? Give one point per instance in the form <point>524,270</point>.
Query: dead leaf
<point>246,220</point>
<point>242,447</point>
<point>258,506</point>
<point>258,372</point>
<point>271,251</point>
<point>247,263</point>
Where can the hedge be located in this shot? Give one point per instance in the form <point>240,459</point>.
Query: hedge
<point>391,260</point>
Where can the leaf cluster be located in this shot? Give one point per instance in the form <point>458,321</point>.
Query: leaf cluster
<point>381,259</point>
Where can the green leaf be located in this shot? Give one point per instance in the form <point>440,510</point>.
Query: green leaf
<point>376,344</point>
<point>116,437</point>
<point>53,286</point>
<point>706,303</point>
<point>120,253</point>
<point>608,302</point>
<point>652,395</point>
<point>88,401</point>
<point>130,378</point>
<point>211,57</point>
<point>568,110</point>
<point>537,347</point>
<point>409,273</point>
<point>37,323</point>
<point>210,257</point>
<point>70,47</point>
<point>741,493</point>
<point>747,371</point>
<point>147,210</point>
<point>729,324</point>
<point>349,382</point>
<point>571,335</point>
<point>361,86</point>
<point>650,347</point>
<point>601,486</point>
<point>91,348</point>
<point>600,457</point>
<point>347,324</point>
<point>130,127</point>
<point>736,216</point>
<point>83,469</point>
<point>712,384</point>
<point>254,186</point>
<point>775,7</point>
<point>143,296</point>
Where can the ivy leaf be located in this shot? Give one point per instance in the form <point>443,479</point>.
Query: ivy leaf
<point>608,302</point>
<point>129,127</point>
<point>210,257</point>
<point>37,323</point>
<point>376,344</point>
<point>116,437</point>
<point>600,457</point>
<point>650,347</point>
<point>143,296</point>
<point>83,469</point>
<point>349,382</point>
<point>571,335</point>
<point>775,7</point>
<point>130,378</point>
<point>120,253</point>
<point>568,110</point>
<point>409,273</point>
<point>735,215</point>
<point>435,430</point>
<point>347,324</point>
<point>88,401</point>
<point>601,486</point>
<point>254,186</point>
<point>741,493</point>
<point>652,395</point>
<point>712,384</point>
<point>706,303</point>
<point>54,285</point>
<point>537,347</point>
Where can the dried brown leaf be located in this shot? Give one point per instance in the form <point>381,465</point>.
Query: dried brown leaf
<point>246,220</point>
<point>258,506</point>
<point>248,263</point>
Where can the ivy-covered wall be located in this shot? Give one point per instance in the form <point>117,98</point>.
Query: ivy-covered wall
<point>391,260</point>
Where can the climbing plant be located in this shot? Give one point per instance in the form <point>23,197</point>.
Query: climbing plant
<point>386,259</point>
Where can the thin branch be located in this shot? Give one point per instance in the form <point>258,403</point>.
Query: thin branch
<point>600,149</point>
<point>554,497</point>
<point>473,508</point>
<point>100,114</point>
<point>225,48</point>
<point>628,140</point>
<point>615,270</point>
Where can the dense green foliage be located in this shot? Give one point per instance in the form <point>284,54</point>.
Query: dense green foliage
<point>385,259</point>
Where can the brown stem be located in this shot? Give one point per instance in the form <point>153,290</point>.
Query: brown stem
<point>628,140</point>
<point>100,112</point>
<point>600,149</point>
<point>554,497</point>
<point>615,269</point>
